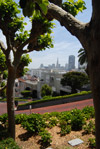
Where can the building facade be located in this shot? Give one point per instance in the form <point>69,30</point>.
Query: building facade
<point>71,62</point>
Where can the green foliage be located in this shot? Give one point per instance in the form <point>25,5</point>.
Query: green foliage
<point>89,128</point>
<point>5,74</point>
<point>77,119</point>
<point>2,61</point>
<point>74,79</point>
<point>4,118</point>
<point>37,123</point>
<point>65,116</point>
<point>88,112</point>
<point>73,6</point>
<point>22,36</point>
<point>26,93</point>
<point>49,98</point>
<point>9,13</point>
<point>34,123</point>
<point>8,143</point>
<point>65,128</point>
<point>30,7</point>
<point>3,92</point>
<point>92,143</point>
<point>19,118</point>
<point>46,90</point>
<point>45,41</point>
<point>45,136</point>
<point>22,67</point>
<point>82,56</point>
<point>53,121</point>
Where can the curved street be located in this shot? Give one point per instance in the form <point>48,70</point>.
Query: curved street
<point>58,108</point>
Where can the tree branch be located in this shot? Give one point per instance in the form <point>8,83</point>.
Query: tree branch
<point>74,26</point>
<point>34,48</point>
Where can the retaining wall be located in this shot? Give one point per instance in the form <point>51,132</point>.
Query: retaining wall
<point>55,102</point>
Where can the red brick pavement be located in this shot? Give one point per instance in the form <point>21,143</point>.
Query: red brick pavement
<point>58,108</point>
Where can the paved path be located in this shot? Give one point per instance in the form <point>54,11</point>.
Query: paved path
<point>58,108</point>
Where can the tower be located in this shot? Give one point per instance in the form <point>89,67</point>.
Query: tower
<point>57,64</point>
<point>71,62</point>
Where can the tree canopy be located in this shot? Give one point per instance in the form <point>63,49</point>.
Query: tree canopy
<point>74,79</point>
<point>46,90</point>
<point>19,42</point>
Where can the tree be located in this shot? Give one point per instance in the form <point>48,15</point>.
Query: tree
<point>46,90</point>
<point>20,42</point>
<point>74,79</point>
<point>89,36</point>
<point>82,56</point>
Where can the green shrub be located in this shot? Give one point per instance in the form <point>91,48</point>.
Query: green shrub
<point>65,128</point>
<point>19,118</point>
<point>26,93</point>
<point>92,143</point>
<point>89,128</point>
<point>55,114</point>
<point>8,143</point>
<point>53,121</point>
<point>49,98</point>
<point>46,90</point>
<point>4,119</point>
<point>46,116</point>
<point>77,120</point>
<point>89,112</point>
<point>45,137</point>
<point>66,116</point>
<point>34,123</point>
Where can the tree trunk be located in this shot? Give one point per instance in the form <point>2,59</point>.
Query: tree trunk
<point>94,72</point>
<point>10,101</point>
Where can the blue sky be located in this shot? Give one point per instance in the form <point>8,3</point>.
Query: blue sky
<point>64,43</point>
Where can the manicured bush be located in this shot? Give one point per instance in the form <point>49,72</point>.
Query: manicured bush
<point>34,123</point>
<point>19,118</point>
<point>88,112</point>
<point>49,98</point>
<point>8,143</point>
<point>66,116</point>
<point>89,128</point>
<point>45,136</point>
<point>77,120</point>
<point>65,128</point>
<point>53,121</point>
<point>26,93</point>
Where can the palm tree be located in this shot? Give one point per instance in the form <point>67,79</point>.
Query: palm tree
<point>83,58</point>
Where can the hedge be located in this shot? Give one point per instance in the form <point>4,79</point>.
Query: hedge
<point>49,98</point>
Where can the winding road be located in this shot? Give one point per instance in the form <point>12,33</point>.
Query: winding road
<point>58,108</point>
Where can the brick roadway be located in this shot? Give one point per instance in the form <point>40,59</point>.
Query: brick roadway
<point>58,108</point>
